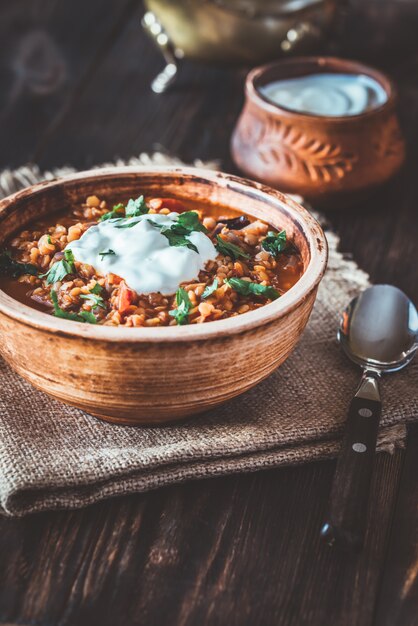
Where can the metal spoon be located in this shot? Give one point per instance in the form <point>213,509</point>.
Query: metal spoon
<point>379,332</point>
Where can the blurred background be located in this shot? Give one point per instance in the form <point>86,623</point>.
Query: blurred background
<point>75,79</point>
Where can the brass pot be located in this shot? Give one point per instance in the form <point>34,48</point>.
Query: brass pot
<point>234,31</point>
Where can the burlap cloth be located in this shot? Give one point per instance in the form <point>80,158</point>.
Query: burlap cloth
<point>54,456</point>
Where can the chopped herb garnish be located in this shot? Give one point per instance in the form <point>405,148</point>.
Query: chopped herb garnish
<point>274,243</point>
<point>95,296</point>
<point>107,253</point>
<point>49,240</point>
<point>210,289</point>
<point>177,233</point>
<point>84,316</point>
<point>123,223</point>
<point>189,222</point>
<point>246,288</point>
<point>14,269</point>
<point>97,289</point>
<point>60,269</point>
<point>115,213</point>
<point>96,300</point>
<point>175,239</point>
<point>87,316</point>
<point>134,208</point>
<point>184,305</point>
<point>137,207</point>
<point>230,249</point>
<point>110,215</point>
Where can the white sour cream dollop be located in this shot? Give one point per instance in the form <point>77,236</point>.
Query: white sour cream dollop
<point>143,256</point>
<point>326,94</point>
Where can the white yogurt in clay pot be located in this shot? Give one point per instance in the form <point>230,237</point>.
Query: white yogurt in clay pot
<point>327,94</point>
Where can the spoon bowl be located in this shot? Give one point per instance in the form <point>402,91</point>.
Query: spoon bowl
<point>379,328</point>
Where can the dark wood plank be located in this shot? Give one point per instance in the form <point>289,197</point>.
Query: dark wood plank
<point>49,48</point>
<point>193,120</point>
<point>398,596</point>
<point>240,550</point>
<point>377,31</point>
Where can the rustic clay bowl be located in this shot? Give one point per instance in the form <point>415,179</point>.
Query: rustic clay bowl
<point>154,375</point>
<point>329,160</point>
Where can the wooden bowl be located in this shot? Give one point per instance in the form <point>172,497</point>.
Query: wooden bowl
<point>328,160</point>
<point>154,375</point>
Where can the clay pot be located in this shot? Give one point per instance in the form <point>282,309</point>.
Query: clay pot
<point>154,375</point>
<point>328,160</point>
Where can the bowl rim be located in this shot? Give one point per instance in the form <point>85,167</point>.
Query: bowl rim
<point>351,67</point>
<point>310,228</point>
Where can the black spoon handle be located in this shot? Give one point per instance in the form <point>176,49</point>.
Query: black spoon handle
<point>346,522</point>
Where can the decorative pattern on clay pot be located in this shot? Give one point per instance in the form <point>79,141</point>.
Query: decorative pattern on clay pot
<point>283,145</point>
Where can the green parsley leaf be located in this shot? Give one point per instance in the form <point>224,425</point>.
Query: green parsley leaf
<point>230,249</point>
<point>189,222</point>
<point>137,207</point>
<point>95,296</point>
<point>97,289</point>
<point>177,233</point>
<point>60,269</point>
<point>184,305</point>
<point>274,243</point>
<point>85,316</point>
<point>107,253</point>
<point>115,213</point>
<point>96,300</point>
<point>210,289</point>
<point>246,288</point>
<point>123,223</point>
<point>14,269</point>
<point>175,239</point>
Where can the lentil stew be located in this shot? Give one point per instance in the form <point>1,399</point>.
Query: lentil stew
<point>247,265</point>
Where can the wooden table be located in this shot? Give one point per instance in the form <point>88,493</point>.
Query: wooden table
<point>242,550</point>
